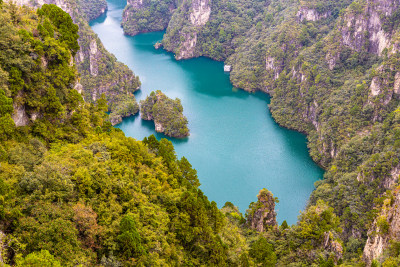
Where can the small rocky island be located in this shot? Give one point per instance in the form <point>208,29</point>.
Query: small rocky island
<point>261,215</point>
<point>166,113</point>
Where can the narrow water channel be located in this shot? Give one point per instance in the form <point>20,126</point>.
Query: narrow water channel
<point>235,145</point>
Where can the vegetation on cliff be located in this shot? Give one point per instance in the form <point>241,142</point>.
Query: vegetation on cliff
<point>166,113</point>
<point>332,69</point>
<point>92,9</point>
<point>148,15</point>
<point>100,72</point>
<point>76,191</point>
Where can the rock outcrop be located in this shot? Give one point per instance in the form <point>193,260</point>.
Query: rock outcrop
<point>385,228</point>
<point>362,27</point>
<point>183,31</point>
<point>310,14</point>
<point>261,214</point>
<point>201,10</point>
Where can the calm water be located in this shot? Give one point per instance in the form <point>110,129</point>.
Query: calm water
<point>234,144</point>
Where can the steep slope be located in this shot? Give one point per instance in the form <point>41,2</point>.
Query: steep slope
<point>100,72</point>
<point>147,15</point>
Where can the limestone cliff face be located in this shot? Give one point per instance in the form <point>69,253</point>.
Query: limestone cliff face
<point>201,10</point>
<point>183,31</point>
<point>362,29</point>
<point>384,229</point>
<point>310,14</point>
<point>261,214</point>
<point>384,87</point>
<point>199,15</point>
<point>188,46</point>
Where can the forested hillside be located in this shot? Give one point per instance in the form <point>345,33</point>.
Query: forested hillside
<point>332,70</point>
<point>76,191</point>
<point>100,72</point>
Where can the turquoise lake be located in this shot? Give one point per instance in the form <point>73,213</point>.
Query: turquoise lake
<point>234,144</point>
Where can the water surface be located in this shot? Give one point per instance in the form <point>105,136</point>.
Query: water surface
<point>234,143</point>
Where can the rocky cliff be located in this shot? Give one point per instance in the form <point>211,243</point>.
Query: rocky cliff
<point>145,16</point>
<point>185,26</point>
<point>384,232</point>
<point>100,72</point>
<point>261,214</point>
<point>311,14</point>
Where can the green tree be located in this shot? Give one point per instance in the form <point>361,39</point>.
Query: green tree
<point>36,259</point>
<point>262,252</point>
<point>130,242</point>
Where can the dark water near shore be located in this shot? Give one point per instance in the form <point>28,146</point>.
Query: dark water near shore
<point>235,145</point>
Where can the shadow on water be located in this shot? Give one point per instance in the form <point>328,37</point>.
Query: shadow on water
<point>149,126</point>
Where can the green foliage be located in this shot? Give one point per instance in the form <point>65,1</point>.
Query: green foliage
<point>383,225</point>
<point>129,240</point>
<point>42,258</point>
<point>262,252</point>
<point>166,113</point>
<point>92,9</point>
<point>63,23</point>
<point>150,15</point>
<point>74,190</point>
<point>317,221</point>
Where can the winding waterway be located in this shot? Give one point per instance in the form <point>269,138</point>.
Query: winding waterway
<point>235,145</point>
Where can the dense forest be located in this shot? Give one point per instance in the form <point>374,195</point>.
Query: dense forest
<point>76,191</point>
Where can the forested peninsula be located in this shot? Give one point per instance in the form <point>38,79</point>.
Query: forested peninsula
<point>75,191</point>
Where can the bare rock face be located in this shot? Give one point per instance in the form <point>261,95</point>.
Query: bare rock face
<point>330,244</point>
<point>93,52</point>
<point>375,87</point>
<point>310,14</point>
<point>396,88</point>
<point>332,60</point>
<point>199,15</point>
<point>272,65</point>
<point>384,229</point>
<point>136,4</point>
<point>159,127</point>
<point>201,12</point>
<point>362,29</point>
<point>261,214</point>
<point>19,116</point>
<point>187,48</point>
